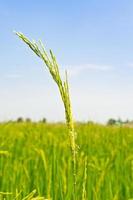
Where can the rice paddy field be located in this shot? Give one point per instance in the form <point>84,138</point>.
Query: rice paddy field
<point>36,163</point>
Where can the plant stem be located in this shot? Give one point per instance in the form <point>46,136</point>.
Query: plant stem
<point>51,63</point>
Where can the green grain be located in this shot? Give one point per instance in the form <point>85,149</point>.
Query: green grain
<point>51,64</point>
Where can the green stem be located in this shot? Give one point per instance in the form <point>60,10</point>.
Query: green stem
<point>63,87</point>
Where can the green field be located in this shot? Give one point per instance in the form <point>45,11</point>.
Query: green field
<point>35,161</point>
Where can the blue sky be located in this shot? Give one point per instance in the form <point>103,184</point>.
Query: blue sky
<point>92,39</point>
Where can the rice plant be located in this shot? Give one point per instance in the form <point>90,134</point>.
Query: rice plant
<point>35,162</point>
<point>52,65</point>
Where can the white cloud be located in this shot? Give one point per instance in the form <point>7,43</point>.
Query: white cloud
<point>75,70</point>
<point>130,64</point>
